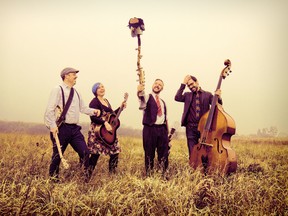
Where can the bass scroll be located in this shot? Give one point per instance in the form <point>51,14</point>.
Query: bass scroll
<point>136,26</point>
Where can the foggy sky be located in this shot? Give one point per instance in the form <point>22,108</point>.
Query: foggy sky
<point>40,38</point>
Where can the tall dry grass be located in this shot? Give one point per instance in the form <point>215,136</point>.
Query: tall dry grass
<point>259,187</point>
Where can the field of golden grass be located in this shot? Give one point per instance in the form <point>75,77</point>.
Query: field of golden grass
<point>259,187</point>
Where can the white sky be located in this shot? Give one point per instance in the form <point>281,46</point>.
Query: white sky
<point>40,38</point>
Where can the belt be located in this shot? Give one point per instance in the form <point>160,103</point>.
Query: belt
<point>155,125</point>
<point>191,125</point>
<point>68,124</point>
<point>159,125</point>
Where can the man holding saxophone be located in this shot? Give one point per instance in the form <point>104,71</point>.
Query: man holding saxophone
<point>155,127</point>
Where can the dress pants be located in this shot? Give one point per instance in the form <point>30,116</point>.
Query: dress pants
<point>155,138</point>
<point>192,135</point>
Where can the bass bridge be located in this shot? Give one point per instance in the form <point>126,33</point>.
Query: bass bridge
<point>206,144</point>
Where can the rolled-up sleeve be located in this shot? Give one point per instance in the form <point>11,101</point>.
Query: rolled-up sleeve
<point>49,116</point>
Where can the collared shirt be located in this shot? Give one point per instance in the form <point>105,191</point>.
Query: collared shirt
<point>160,119</point>
<point>72,115</point>
<point>191,117</point>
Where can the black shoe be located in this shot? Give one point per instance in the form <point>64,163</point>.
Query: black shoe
<point>88,175</point>
<point>165,175</point>
<point>55,179</point>
<point>112,171</point>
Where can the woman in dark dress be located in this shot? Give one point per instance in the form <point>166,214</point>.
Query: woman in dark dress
<point>95,144</point>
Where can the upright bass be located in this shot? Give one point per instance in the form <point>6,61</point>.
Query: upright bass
<point>213,151</point>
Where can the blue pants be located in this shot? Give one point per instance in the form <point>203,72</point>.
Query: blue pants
<point>68,133</point>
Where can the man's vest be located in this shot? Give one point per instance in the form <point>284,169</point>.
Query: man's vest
<point>150,113</point>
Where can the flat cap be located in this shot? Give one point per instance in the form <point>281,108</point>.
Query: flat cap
<point>67,71</point>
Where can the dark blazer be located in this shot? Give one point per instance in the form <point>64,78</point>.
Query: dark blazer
<point>206,100</point>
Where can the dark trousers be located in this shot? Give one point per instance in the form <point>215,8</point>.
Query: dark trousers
<point>192,135</point>
<point>155,138</point>
<point>68,133</point>
<point>113,162</point>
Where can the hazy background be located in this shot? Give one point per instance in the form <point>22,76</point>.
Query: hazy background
<point>40,38</point>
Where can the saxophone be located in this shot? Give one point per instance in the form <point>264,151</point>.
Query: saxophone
<point>136,26</point>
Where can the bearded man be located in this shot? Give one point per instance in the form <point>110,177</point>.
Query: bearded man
<point>155,127</point>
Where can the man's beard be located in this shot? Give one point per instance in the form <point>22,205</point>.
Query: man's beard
<point>156,90</point>
<point>193,89</point>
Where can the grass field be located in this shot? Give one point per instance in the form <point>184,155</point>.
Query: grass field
<point>259,187</point>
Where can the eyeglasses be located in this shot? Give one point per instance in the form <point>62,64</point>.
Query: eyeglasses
<point>190,85</point>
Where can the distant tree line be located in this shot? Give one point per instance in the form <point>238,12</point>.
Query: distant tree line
<point>37,128</point>
<point>268,132</point>
<point>22,127</point>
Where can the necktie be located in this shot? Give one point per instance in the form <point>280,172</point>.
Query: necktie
<point>197,105</point>
<point>159,111</point>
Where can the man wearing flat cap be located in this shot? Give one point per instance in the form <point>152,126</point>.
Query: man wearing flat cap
<point>65,98</point>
